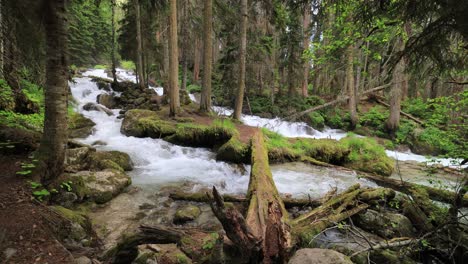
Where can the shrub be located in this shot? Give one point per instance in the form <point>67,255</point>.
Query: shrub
<point>127,65</point>
<point>193,88</point>
<point>316,120</point>
<point>100,67</point>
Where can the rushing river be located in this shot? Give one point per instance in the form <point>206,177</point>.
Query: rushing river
<point>159,163</point>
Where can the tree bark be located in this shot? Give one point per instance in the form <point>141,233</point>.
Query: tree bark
<point>1,39</point>
<point>173,60</point>
<point>114,76</point>
<point>395,94</point>
<point>196,60</point>
<point>242,58</point>
<point>306,30</point>
<point>205,100</point>
<point>141,79</point>
<point>185,33</point>
<point>54,139</point>
<point>350,87</point>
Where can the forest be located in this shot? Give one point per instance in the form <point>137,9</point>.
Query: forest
<point>220,131</point>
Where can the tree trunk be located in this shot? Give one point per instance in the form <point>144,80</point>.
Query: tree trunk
<point>54,139</point>
<point>173,60</point>
<point>395,94</point>
<point>306,30</point>
<point>185,46</point>
<point>1,39</point>
<point>205,100</point>
<point>196,61</point>
<point>166,85</point>
<point>139,65</point>
<point>350,87</point>
<point>242,57</point>
<point>114,76</point>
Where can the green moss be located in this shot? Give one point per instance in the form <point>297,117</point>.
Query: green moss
<point>7,98</point>
<point>34,122</point>
<point>155,128</point>
<point>200,135</point>
<point>234,151</point>
<point>325,150</point>
<point>33,92</point>
<point>127,65</point>
<point>366,155</point>
<point>74,216</point>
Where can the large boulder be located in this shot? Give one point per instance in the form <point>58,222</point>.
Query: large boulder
<point>95,107</point>
<point>99,186</point>
<point>101,160</point>
<point>145,123</point>
<point>319,256</point>
<point>79,126</point>
<point>106,100</point>
<point>385,224</point>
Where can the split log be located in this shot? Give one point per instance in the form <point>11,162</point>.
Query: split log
<point>236,228</point>
<point>202,198</point>
<point>334,102</point>
<point>380,101</point>
<point>267,215</point>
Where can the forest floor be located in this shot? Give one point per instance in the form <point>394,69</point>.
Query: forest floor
<point>25,236</point>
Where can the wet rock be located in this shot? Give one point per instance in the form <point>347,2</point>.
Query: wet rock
<point>66,199</point>
<point>139,101</point>
<point>385,224</point>
<point>106,100</point>
<point>318,256</point>
<point>80,126</point>
<point>83,260</point>
<point>99,186</point>
<point>99,143</point>
<point>75,158</point>
<point>79,226</point>
<point>186,213</point>
<point>95,107</point>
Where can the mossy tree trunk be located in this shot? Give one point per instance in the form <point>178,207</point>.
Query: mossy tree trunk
<point>54,139</point>
<point>114,76</point>
<point>306,24</point>
<point>350,87</point>
<point>205,102</point>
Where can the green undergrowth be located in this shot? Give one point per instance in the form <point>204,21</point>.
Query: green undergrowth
<point>7,99</point>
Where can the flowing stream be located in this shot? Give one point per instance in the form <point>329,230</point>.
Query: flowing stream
<point>159,163</point>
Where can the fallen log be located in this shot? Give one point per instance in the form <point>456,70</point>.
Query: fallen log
<point>202,198</point>
<point>267,215</point>
<point>334,102</point>
<point>436,194</point>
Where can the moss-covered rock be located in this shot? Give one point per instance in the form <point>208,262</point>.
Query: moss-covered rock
<point>368,156</point>
<point>195,135</point>
<point>234,151</point>
<point>79,228</point>
<point>145,123</point>
<point>318,256</point>
<point>99,186</point>
<point>79,126</point>
<point>101,160</point>
<point>385,224</point>
<point>186,214</point>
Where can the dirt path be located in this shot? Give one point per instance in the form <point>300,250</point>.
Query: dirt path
<point>24,234</point>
